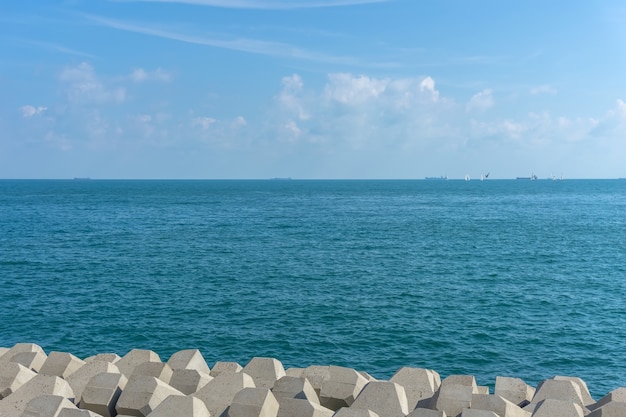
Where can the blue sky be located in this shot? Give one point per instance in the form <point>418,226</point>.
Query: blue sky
<point>312,88</point>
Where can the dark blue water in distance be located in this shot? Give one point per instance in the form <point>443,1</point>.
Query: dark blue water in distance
<point>500,277</point>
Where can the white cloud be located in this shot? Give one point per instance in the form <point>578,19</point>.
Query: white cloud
<point>348,89</point>
<point>428,86</point>
<point>29,111</point>
<point>481,101</point>
<point>203,122</point>
<point>141,75</point>
<point>84,86</point>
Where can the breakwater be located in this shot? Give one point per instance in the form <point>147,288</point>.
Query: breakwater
<point>59,384</point>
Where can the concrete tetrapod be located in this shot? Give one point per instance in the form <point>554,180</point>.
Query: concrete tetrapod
<point>142,395</point>
<point>316,374</point>
<point>104,357</point>
<point>557,408</point>
<point>129,362</point>
<point>221,367</point>
<point>341,387</point>
<point>584,391</point>
<point>264,371</point>
<point>14,404</point>
<point>31,360</point>
<point>102,393</point>
<point>616,396</point>
<point>79,379</point>
<point>12,376</point>
<point>176,406</point>
<point>75,412</point>
<point>470,412</point>
<point>20,348</point>
<point>47,406</point>
<point>354,412</point>
<point>158,370</point>
<point>454,394</point>
<point>253,402</point>
<point>220,391</point>
<point>61,364</point>
<point>188,359</point>
<point>514,390</point>
<point>189,381</point>
<point>387,399</point>
<point>497,404</point>
<point>293,387</point>
<point>613,409</point>
<point>294,407</point>
<point>564,390</point>
<point>425,412</point>
<point>419,384</point>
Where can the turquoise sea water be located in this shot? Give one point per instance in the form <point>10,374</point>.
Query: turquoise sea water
<point>500,277</point>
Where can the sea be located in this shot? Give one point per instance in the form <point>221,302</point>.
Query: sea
<point>515,278</point>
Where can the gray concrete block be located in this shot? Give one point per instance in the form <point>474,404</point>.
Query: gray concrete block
<point>514,390</point>
<point>189,381</point>
<point>316,374</point>
<point>293,407</point>
<point>470,412</point>
<point>12,376</point>
<point>617,395</point>
<point>135,357</point>
<point>220,391</point>
<point>176,406</point>
<point>419,384</point>
<point>454,394</point>
<point>296,372</point>
<point>104,357</point>
<point>253,402</point>
<point>425,412</point>
<point>79,379</point>
<point>221,367</point>
<point>564,390</point>
<point>102,392</point>
<point>189,359</point>
<point>584,391</point>
<point>158,370</point>
<point>32,360</point>
<point>3,350</point>
<point>61,364</point>
<point>19,348</point>
<point>294,387</point>
<point>354,412</point>
<point>497,404</point>
<point>47,406</point>
<point>15,404</point>
<point>612,409</point>
<point>557,408</point>
<point>76,412</point>
<point>142,395</point>
<point>341,387</point>
<point>264,371</point>
<point>387,399</point>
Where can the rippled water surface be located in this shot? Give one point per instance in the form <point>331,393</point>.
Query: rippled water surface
<point>515,278</point>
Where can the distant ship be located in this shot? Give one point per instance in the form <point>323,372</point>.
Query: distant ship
<point>81,178</point>
<point>444,177</point>
<point>533,177</point>
<point>280,178</point>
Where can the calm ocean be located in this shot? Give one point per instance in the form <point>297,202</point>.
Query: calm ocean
<point>501,277</point>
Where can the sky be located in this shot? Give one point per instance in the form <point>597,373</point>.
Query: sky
<point>312,89</point>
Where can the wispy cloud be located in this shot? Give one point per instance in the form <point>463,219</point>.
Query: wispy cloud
<point>55,47</point>
<point>277,49</point>
<point>268,5</point>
